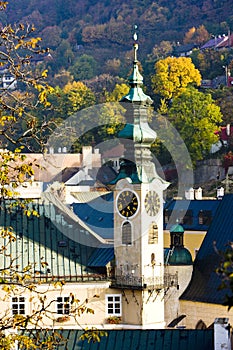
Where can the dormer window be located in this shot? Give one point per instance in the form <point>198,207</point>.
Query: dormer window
<point>205,217</point>
<point>167,214</point>
<point>186,217</point>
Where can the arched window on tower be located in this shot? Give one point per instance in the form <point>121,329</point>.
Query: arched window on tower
<point>126,233</point>
<point>153,233</point>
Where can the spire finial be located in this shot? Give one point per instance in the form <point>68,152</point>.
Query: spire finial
<point>135,45</point>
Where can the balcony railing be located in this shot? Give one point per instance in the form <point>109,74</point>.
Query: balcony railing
<point>155,282</point>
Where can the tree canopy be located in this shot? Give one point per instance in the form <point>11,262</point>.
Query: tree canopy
<point>173,75</point>
<point>20,127</point>
<point>196,117</point>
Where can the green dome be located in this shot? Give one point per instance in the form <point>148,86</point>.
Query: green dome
<point>177,228</point>
<point>127,132</point>
<point>128,171</point>
<point>180,256</point>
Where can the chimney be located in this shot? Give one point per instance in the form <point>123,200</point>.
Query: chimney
<point>87,156</point>
<point>189,194</point>
<point>220,192</point>
<point>222,340</point>
<point>198,193</point>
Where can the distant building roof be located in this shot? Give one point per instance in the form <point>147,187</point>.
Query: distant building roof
<point>214,42</point>
<point>84,197</point>
<point>66,174</point>
<point>223,133</point>
<point>205,282</point>
<point>114,152</point>
<point>97,214</point>
<point>189,212</point>
<point>101,257</point>
<point>184,49</point>
<point>227,43</point>
<point>105,174</point>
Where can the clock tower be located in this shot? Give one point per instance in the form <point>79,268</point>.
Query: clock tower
<point>138,215</point>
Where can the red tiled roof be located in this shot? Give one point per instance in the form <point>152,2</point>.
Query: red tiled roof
<point>223,133</point>
<point>226,43</point>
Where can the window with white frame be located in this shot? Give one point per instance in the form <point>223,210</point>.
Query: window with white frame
<point>63,305</point>
<point>18,305</point>
<point>113,304</point>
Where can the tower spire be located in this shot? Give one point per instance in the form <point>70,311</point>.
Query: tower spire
<point>137,136</point>
<point>136,79</point>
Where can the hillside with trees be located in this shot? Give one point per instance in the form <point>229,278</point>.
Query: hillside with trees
<point>90,54</point>
<point>103,29</point>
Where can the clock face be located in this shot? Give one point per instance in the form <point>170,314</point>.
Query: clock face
<point>152,203</point>
<point>127,203</point>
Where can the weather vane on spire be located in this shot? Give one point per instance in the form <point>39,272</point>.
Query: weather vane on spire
<point>135,45</point>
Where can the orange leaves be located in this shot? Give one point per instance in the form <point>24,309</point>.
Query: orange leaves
<point>33,43</point>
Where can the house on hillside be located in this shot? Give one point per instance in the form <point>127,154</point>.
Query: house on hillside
<point>184,50</point>
<point>216,42</point>
<point>7,80</point>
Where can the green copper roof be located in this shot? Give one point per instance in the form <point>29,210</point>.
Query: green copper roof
<point>147,339</point>
<point>127,132</point>
<point>180,256</point>
<point>128,171</point>
<point>177,228</point>
<point>53,237</point>
<point>136,93</point>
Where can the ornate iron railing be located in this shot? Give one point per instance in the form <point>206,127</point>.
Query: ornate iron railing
<point>155,282</point>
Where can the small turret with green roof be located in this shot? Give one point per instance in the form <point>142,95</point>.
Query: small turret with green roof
<point>179,255</point>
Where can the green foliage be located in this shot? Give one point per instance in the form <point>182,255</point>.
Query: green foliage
<point>64,55</point>
<point>196,117</point>
<point>224,99</point>
<point>210,62</point>
<point>225,271</point>
<point>119,91</point>
<point>83,68</point>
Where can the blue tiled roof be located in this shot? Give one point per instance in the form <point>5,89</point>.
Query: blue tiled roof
<point>205,282</point>
<point>97,215</point>
<point>176,207</point>
<point>100,257</point>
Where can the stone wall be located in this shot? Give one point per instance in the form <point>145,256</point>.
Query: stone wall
<point>208,170</point>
